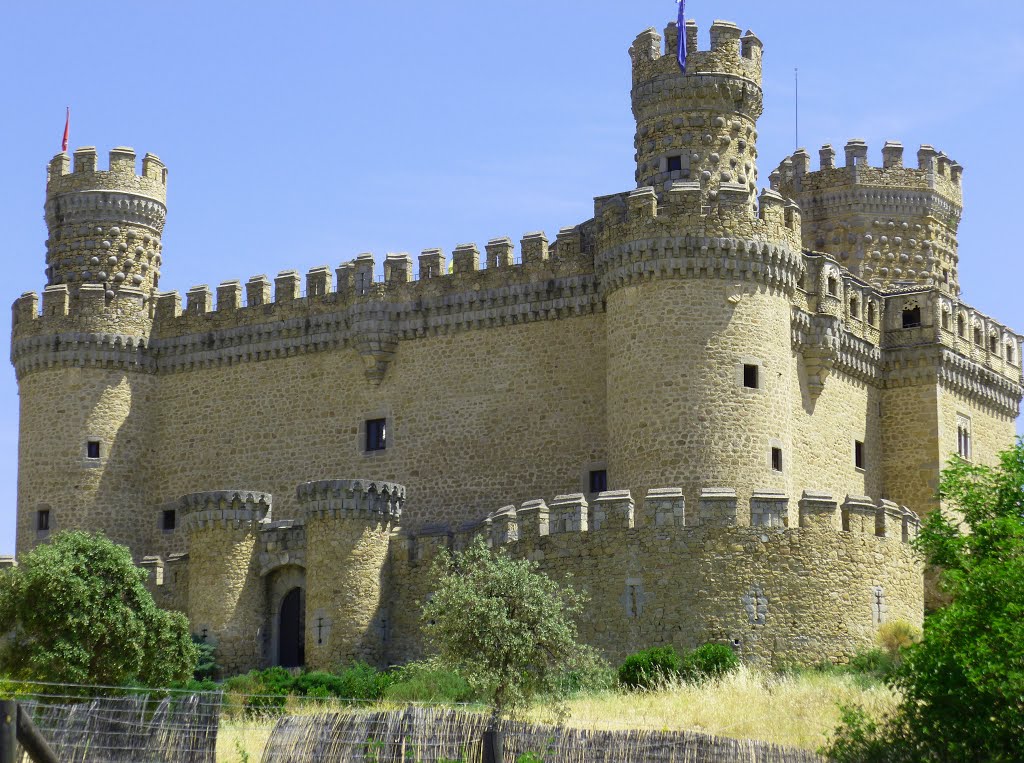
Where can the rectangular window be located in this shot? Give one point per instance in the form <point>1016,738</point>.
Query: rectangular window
<point>598,481</point>
<point>43,520</point>
<point>169,520</point>
<point>92,449</point>
<point>751,374</point>
<point>858,454</point>
<point>376,434</point>
<point>963,437</point>
<point>777,459</point>
<point>675,164</point>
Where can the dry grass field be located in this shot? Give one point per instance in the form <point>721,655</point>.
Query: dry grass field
<point>797,710</point>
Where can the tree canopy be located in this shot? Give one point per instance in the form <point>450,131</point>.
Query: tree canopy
<point>962,687</point>
<point>77,611</point>
<point>507,628</point>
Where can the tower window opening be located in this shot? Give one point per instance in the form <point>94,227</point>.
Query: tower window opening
<point>169,520</point>
<point>945,320</point>
<point>977,335</point>
<point>945,276</point>
<point>376,434</point>
<point>993,344</point>
<point>833,286</point>
<point>961,326</point>
<point>911,317</point>
<point>92,449</point>
<point>858,454</point>
<point>1009,353</point>
<point>598,480</point>
<point>872,318</point>
<point>43,521</point>
<point>675,164</point>
<point>751,376</point>
<point>963,437</point>
<point>854,308</point>
<point>776,459</point>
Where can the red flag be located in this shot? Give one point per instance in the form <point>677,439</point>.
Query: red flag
<point>67,125</point>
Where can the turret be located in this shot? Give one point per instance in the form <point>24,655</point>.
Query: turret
<point>701,127</point>
<point>105,225</point>
<point>892,225</point>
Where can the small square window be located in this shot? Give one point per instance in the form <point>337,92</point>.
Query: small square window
<point>675,164</point>
<point>751,376</point>
<point>169,520</point>
<point>376,434</point>
<point>858,454</point>
<point>598,481</point>
<point>92,449</point>
<point>43,520</point>
<point>776,459</point>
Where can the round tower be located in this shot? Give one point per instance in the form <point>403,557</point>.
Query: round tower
<point>698,278</point>
<point>892,225</point>
<point>105,225</point>
<point>84,371</point>
<point>226,594</point>
<point>348,531</point>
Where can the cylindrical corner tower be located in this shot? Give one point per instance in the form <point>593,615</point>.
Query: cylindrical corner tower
<point>348,529</point>
<point>84,371</point>
<point>226,595</point>
<point>698,281</point>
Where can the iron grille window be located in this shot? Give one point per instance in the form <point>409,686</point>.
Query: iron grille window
<point>43,520</point>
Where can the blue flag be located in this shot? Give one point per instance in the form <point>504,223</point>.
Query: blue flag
<point>681,25</point>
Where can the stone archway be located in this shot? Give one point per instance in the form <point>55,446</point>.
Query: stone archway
<point>291,629</point>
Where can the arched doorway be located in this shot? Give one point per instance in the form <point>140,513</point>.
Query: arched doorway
<point>291,646</point>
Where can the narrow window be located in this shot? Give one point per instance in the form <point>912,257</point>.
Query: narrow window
<point>871,314</point>
<point>92,449</point>
<point>858,454</point>
<point>945,320</point>
<point>833,286</point>
<point>675,164</point>
<point>376,434</point>
<point>961,326</point>
<point>751,375</point>
<point>169,520</point>
<point>777,459</point>
<point>598,481</point>
<point>911,317</point>
<point>945,276</point>
<point>1009,353</point>
<point>977,335</point>
<point>993,344</point>
<point>854,308</point>
<point>43,520</point>
<point>963,437</point>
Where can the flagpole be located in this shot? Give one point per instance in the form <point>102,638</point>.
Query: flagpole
<point>796,107</point>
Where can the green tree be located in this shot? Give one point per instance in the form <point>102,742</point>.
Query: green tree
<point>77,611</point>
<point>962,686</point>
<point>507,628</point>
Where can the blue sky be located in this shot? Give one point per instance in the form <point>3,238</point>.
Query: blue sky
<point>301,134</point>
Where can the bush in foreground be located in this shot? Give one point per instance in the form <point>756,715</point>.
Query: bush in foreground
<point>962,687</point>
<point>709,662</point>
<point>651,668</point>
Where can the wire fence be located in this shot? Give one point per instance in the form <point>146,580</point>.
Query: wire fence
<point>84,724</point>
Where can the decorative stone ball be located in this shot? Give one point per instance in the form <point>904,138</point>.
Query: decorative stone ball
<point>719,122</point>
<point>139,251</point>
<point>708,140</point>
<point>904,258</point>
<point>725,140</point>
<point>119,277</point>
<point>898,241</point>
<point>884,240</point>
<point>726,176</point>
<point>130,235</point>
<point>105,245</point>
<point>911,272</point>
<point>110,293</point>
<point>157,261</point>
<point>883,272</point>
<point>715,158</point>
<point>94,260</point>
<point>115,231</point>
<point>905,226</point>
<point>111,260</point>
<point>912,242</point>
<point>926,245</point>
<point>897,272</point>
<point>742,144</point>
<point>86,275</point>
<point>147,239</point>
<point>892,225</point>
<point>877,223</point>
<point>99,231</point>
<point>136,279</point>
<point>706,175</point>
<point>918,258</point>
<point>123,247</point>
<point>144,266</point>
<point>695,158</point>
<point>102,275</point>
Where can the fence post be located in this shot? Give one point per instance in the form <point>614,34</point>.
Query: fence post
<point>8,731</point>
<point>31,740</point>
<point>493,747</point>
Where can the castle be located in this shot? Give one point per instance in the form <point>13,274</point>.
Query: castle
<point>722,411</point>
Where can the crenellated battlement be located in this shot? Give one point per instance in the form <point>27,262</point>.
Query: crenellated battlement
<point>367,500</point>
<point>226,509</point>
<point>85,175</point>
<point>664,510</point>
<point>731,51</point>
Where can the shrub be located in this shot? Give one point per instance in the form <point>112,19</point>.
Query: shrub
<point>896,635</point>
<point>206,668</point>
<point>650,668</point>
<point>428,682</point>
<point>361,681</point>
<point>874,662</point>
<point>319,683</point>
<point>709,662</point>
